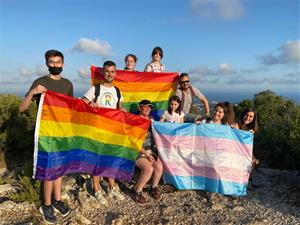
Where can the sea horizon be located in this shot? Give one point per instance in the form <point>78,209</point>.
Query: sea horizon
<point>214,96</point>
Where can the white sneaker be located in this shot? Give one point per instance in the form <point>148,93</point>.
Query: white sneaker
<point>115,192</point>
<point>101,199</point>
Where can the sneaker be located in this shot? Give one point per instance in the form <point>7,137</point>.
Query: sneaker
<point>48,214</point>
<point>115,192</point>
<point>61,208</point>
<point>154,193</point>
<point>101,199</point>
<point>138,197</point>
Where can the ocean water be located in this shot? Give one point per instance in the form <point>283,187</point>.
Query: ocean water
<point>232,97</point>
<point>236,97</point>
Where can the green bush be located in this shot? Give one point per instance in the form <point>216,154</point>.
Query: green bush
<point>16,131</point>
<point>29,191</point>
<point>278,139</point>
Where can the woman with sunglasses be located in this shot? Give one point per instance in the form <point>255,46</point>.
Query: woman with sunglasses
<point>156,65</point>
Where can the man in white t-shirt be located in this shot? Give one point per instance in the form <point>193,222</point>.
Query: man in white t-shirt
<point>108,96</point>
<point>186,92</point>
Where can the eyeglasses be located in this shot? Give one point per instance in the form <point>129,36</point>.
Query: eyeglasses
<point>185,81</point>
<point>51,62</point>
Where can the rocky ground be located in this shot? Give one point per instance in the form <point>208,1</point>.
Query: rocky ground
<point>274,200</point>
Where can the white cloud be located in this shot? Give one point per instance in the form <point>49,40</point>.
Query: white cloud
<point>40,70</point>
<point>97,47</point>
<point>288,53</point>
<point>222,69</point>
<point>84,72</point>
<point>202,70</point>
<point>225,9</point>
<point>283,81</point>
<point>225,68</point>
<point>243,80</point>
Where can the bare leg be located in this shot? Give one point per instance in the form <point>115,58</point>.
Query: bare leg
<point>147,169</point>
<point>57,188</point>
<point>96,184</point>
<point>111,182</point>
<point>157,173</point>
<point>48,188</point>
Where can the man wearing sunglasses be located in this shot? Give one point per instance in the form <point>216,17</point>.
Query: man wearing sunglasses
<point>186,92</point>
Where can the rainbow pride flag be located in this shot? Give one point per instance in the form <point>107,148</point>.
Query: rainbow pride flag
<point>136,86</point>
<point>71,136</point>
<point>208,157</point>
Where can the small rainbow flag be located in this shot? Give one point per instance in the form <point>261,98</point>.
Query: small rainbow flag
<point>136,86</point>
<point>208,157</point>
<point>71,136</point>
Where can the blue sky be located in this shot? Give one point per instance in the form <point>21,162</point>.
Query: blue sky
<point>225,45</point>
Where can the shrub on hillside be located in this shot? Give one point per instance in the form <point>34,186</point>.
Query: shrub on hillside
<point>278,139</point>
<point>16,131</point>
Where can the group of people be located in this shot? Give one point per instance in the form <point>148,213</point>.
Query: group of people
<point>108,96</point>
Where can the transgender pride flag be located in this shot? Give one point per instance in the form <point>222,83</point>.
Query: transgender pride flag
<point>208,157</point>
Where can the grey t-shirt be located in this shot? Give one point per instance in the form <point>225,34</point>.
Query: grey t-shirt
<point>188,98</point>
<point>63,86</point>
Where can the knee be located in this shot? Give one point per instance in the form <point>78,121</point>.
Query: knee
<point>159,167</point>
<point>148,169</point>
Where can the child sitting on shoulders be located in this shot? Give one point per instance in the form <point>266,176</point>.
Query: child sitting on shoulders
<point>174,113</point>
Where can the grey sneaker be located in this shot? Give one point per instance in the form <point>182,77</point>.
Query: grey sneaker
<point>61,208</point>
<point>115,192</point>
<point>48,214</point>
<point>101,199</point>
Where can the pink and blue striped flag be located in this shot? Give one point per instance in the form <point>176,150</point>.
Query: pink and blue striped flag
<point>208,157</point>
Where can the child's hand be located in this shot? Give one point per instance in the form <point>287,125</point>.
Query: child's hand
<point>197,122</point>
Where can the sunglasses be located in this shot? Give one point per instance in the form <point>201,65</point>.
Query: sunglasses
<point>185,81</point>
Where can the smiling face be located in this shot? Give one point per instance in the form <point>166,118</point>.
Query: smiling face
<point>218,114</point>
<point>184,82</point>
<point>145,110</point>
<point>174,105</point>
<point>130,63</point>
<point>109,73</point>
<point>248,118</point>
<point>156,57</point>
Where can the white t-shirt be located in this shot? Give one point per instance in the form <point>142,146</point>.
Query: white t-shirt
<point>107,98</point>
<point>174,118</point>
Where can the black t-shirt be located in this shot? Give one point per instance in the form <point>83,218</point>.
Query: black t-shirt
<point>63,86</point>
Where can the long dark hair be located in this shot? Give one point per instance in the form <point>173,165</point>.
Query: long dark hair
<point>176,99</point>
<point>251,126</point>
<point>229,116</point>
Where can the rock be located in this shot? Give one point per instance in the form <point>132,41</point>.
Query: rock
<point>68,183</point>
<point>3,171</point>
<point>217,206</point>
<point>66,198</point>
<point>8,188</point>
<point>238,209</point>
<point>10,210</point>
<point>88,202</point>
<point>80,219</point>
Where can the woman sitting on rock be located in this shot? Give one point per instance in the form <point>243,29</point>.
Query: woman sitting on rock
<point>148,162</point>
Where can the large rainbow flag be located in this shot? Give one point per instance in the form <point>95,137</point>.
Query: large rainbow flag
<point>71,136</point>
<point>136,86</point>
<point>208,157</point>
